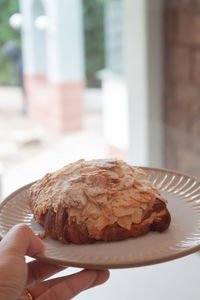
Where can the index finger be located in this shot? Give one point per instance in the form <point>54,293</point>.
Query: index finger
<point>38,271</point>
<point>68,287</point>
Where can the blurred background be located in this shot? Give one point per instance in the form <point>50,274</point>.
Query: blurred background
<point>103,78</point>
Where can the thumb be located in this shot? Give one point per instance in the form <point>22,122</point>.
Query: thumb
<point>20,240</point>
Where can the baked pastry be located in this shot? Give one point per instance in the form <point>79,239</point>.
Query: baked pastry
<point>102,199</point>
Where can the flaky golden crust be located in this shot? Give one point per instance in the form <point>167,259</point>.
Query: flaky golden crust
<point>98,200</point>
<point>56,225</point>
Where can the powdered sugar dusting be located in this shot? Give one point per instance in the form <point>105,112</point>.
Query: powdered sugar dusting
<point>98,192</point>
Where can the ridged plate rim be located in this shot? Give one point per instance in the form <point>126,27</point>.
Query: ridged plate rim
<point>120,263</point>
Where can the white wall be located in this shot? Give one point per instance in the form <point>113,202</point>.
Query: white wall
<point>115,111</point>
<point>143,73</point>
<point>133,102</point>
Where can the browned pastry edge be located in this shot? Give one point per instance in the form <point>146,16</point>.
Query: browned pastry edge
<point>56,225</point>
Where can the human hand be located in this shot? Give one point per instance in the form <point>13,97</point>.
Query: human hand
<point>16,276</point>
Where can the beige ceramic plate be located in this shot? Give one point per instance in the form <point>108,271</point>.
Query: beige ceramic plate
<point>182,237</point>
